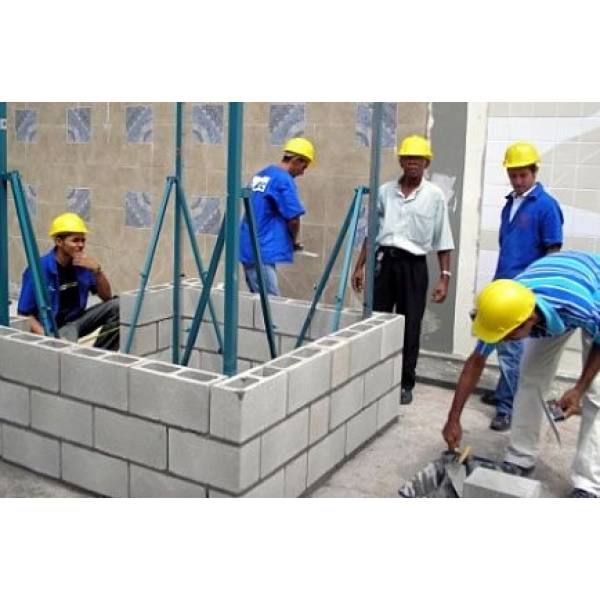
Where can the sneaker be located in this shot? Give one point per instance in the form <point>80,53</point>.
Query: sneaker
<point>488,398</point>
<point>513,469</point>
<point>406,396</point>
<point>500,423</point>
<point>579,493</point>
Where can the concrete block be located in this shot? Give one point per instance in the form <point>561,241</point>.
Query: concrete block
<point>61,417</point>
<point>6,331</point>
<point>321,323</point>
<point>392,340</point>
<point>20,324</point>
<point>319,419</point>
<point>295,476</point>
<point>397,369</point>
<point>36,452</point>
<point>283,441</point>
<point>93,471</point>
<point>340,358</point>
<point>14,403</point>
<point>378,380</point>
<point>206,339</point>
<point>273,487</point>
<point>287,315</point>
<point>165,333</point>
<point>191,297</point>
<point>144,340</point>
<point>225,466</point>
<point>218,494</point>
<point>486,483</point>
<point>171,394</point>
<point>209,361</point>
<point>253,345</point>
<point>131,438</point>
<point>387,408</point>
<point>361,428</point>
<point>346,401</point>
<point>245,307</point>
<point>350,316</point>
<point>325,455</point>
<point>157,304</point>
<point>145,483</point>
<point>286,343</point>
<point>31,360</point>
<point>365,347</point>
<point>96,376</point>
<point>247,404</point>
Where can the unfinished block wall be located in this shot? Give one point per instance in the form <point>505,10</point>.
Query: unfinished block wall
<point>124,425</point>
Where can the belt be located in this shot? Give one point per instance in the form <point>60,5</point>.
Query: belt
<point>394,252</point>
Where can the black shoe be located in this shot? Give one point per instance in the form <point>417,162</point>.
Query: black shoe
<point>406,396</point>
<point>500,423</point>
<point>488,398</point>
<point>579,493</point>
<point>513,469</point>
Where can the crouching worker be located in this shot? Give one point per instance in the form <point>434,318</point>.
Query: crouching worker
<point>71,276</point>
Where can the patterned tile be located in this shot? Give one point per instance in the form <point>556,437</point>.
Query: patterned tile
<point>139,124</point>
<point>31,198</point>
<point>285,121</point>
<point>364,115</point>
<point>206,214</point>
<point>138,210</point>
<point>79,125</point>
<point>79,200</point>
<point>26,125</point>
<point>207,123</point>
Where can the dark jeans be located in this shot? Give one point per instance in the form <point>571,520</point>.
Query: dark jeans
<point>105,315</point>
<point>509,357</point>
<point>401,283</point>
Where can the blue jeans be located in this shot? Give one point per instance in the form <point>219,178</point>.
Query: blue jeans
<point>270,273</point>
<point>509,357</point>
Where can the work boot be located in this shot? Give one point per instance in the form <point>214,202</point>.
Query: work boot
<point>488,398</point>
<point>513,469</point>
<point>579,493</point>
<point>500,423</point>
<point>406,396</point>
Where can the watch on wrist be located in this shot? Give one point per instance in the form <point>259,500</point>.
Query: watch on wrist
<point>447,274</point>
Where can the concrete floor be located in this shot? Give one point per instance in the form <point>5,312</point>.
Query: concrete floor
<point>380,468</point>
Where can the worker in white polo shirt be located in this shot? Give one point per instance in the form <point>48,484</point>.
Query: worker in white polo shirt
<point>413,221</point>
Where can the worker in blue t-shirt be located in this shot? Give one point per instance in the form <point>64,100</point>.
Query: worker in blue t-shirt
<point>530,228</point>
<point>277,211</point>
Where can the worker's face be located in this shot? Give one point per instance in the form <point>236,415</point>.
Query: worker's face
<point>72,244</point>
<point>524,330</point>
<point>521,179</point>
<point>413,166</point>
<point>298,165</point>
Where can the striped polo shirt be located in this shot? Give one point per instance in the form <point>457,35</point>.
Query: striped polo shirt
<point>567,293</point>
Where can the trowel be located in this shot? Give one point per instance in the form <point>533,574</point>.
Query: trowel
<point>457,470</point>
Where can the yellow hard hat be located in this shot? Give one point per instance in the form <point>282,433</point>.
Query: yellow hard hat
<point>501,306</point>
<point>67,223</point>
<point>301,147</point>
<point>521,154</point>
<point>415,145</point>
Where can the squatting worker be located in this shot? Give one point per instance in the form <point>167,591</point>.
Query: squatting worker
<point>545,303</point>
<point>71,275</point>
<point>413,221</point>
<point>277,211</point>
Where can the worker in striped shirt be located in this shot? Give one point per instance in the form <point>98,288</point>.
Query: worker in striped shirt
<point>546,303</point>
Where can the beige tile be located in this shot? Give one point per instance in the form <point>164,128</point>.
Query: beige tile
<point>588,177</point>
<point>521,109</point>
<point>569,109</point>
<point>585,244</point>
<point>587,200</point>
<point>544,109</point>
<point>498,109</point>
<point>331,113</point>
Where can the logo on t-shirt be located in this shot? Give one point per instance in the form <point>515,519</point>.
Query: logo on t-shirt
<point>259,184</point>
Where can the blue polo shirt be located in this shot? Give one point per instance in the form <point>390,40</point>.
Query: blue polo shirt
<point>275,201</point>
<point>86,284</point>
<point>535,227</point>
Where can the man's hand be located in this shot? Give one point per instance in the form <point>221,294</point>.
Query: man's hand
<point>87,262</point>
<point>358,279</point>
<point>440,291</point>
<point>571,402</point>
<point>452,433</point>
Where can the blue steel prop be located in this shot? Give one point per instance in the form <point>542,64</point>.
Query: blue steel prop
<point>176,327</point>
<point>4,276</point>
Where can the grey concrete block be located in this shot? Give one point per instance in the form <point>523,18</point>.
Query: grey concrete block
<point>321,323</point>
<point>63,418</point>
<point>20,324</point>
<point>209,361</point>
<point>486,483</point>
<point>132,438</point>
<point>253,345</point>
<point>398,369</point>
<point>319,419</point>
<point>96,376</point>
<point>350,316</point>
<point>365,347</point>
<point>145,483</point>
<point>93,471</point>
<point>36,452</point>
<point>378,380</point>
<point>206,339</point>
<point>218,494</point>
<point>392,339</point>
<point>346,401</point>
<point>157,304</point>
<point>225,466</point>
<point>286,344</point>
<point>144,340</point>
<point>165,333</point>
<point>287,315</point>
<point>14,403</point>
<point>339,348</point>
<point>295,476</point>
<point>245,405</point>
<point>361,428</point>
<point>171,394</point>
<point>273,487</point>
<point>283,441</point>
<point>325,455</point>
<point>245,307</point>
<point>387,408</point>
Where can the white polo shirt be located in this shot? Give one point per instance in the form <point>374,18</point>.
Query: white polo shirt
<point>418,223</point>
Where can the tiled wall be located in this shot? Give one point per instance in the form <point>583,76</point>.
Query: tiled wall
<point>108,162</point>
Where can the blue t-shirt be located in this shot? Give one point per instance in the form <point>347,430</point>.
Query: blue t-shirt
<point>536,226</point>
<point>275,201</point>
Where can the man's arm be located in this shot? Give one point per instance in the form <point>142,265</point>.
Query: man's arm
<point>467,381</point>
<point>571,400</point>
<point>553,248</point>
<point>294,229</point>
<point>102,283</point>
<point>358,276</point>
<point>441,289</point>
<point>35,325</point>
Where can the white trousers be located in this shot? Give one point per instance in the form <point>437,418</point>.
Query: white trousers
<point>538,368</point>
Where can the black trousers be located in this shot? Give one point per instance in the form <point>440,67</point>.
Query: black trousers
<point>401,282</point>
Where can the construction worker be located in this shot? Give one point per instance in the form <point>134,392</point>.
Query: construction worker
<point>549,300</point>
<point>413,221</point>
<point>531,227</point>
<point>71,275</point>
<point>277,211</point>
